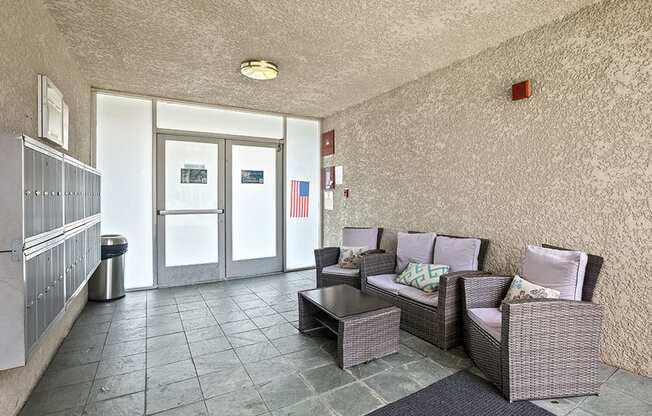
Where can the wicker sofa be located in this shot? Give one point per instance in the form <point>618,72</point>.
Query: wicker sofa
<point>538,348</point>
<point>328,272</point>
<point>437,317</point>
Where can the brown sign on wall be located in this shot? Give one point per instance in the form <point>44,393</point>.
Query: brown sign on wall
<point>328,143</point>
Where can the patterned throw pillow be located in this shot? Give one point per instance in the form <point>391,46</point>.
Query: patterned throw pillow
<point>422,276</point>
<point>522,289</point>
<point>350,257</point>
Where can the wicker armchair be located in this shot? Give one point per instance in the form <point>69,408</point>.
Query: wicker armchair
<point>328,273</point>
<point>437,320</point>
<point>541,348</point>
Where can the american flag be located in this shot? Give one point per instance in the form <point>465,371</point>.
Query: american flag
<point>299,199</point>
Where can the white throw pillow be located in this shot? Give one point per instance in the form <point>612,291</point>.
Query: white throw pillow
<point>522,289</point>
<point>556,269</point>
<point>350,257</point>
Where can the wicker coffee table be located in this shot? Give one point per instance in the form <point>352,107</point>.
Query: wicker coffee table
<point>367,327</point>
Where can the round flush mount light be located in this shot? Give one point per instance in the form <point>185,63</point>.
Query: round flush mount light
<point>259,69</point>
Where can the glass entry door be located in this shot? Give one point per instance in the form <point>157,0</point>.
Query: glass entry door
<point>254,208</point>
<point>219,209</point>
<point>190,210</point>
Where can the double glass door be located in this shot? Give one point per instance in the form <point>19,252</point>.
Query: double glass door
<point>219,210</point>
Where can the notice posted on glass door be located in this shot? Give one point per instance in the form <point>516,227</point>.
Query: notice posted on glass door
<point>252,176</point>
<point>194,174</point>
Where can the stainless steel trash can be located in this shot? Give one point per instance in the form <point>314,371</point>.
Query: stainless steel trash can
<point>108,281</point>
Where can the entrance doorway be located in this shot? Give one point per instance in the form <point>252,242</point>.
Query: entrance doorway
<point>219,209</point>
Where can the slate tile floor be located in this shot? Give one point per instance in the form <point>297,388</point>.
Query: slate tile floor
<point>232,348</point>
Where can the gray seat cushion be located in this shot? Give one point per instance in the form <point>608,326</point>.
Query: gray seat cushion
<point>360,237</point>
<point>414,248</point>
<point>385,282</point>
<point>459,254</point>
<point>419,295</point>
<point>336,269</point>
<point>489,319</point>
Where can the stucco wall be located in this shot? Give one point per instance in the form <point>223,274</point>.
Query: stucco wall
<point>571,166</point>
<point>30,44</point>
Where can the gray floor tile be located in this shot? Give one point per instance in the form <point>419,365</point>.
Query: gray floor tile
<point>110,387</point>
<point>166,341</point>
<point>404,355</point>
<point>284,391</point>
<point>612,402</point>
<point>193,324</point>
<point>169,355</point>
<point>75,358</point>
<point>131,405</point>
<point>194,409</point>
<point>121,365</point>
<point>230,316</point>
<point>580,412</point>
<point>215,362</point>
<point>226,380</point>
<point>268,320</point>
<point>328,377</point>
<point>242,339</point>
<point>280,330</point>
<point>92,329</point>
<point>262,311</point>
<point>82,342</point>
<point>127,324</point>
<point>67,376</point>
<point>632,384</point>
<point>353,400</point>
<point>238,326</point>
<point>191,306</point>
<point>124,335</point>
<point>68,397</point>
<point>173,395</point>
<point>158,329</point>
<point>294,343</point>
<point>266,370</point>
<point>209,346</point>
<point>170,373</point>
<point>392,385</point>
<point>425,371</point>
<point>251,304</point>
<point>561,406</point>
<point>245,402</point>
<point>162,310</point>
<point>310,407</point>
<point>368,369</point>
<point>201,334</point>
<point>257,352</point>
<point>307,359</point>
<point>123,349</point>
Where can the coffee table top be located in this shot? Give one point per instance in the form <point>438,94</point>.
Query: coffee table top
<point>344,300</point>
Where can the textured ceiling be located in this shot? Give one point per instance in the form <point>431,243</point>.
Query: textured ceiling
<point>331,54</point>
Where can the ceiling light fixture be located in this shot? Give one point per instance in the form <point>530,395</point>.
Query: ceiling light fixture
<point>259,69</point>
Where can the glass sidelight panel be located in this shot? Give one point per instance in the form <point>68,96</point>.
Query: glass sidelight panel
<point>191,239</point>
<point>253,193</point>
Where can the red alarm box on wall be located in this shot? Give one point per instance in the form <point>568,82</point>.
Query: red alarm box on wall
<point>521,90</point>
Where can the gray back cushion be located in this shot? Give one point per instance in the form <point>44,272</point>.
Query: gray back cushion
<point>459,254</point>
<point>555,269</point>
<point>360,237</point>
<point>414,248</point>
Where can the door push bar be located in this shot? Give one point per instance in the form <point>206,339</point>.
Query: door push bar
<point>188,211</point>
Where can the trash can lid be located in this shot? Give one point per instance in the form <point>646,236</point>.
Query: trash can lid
<point>113,240</point>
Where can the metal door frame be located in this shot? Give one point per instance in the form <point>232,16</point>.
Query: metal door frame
<point>197,273</point>
<point>263,265</point>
